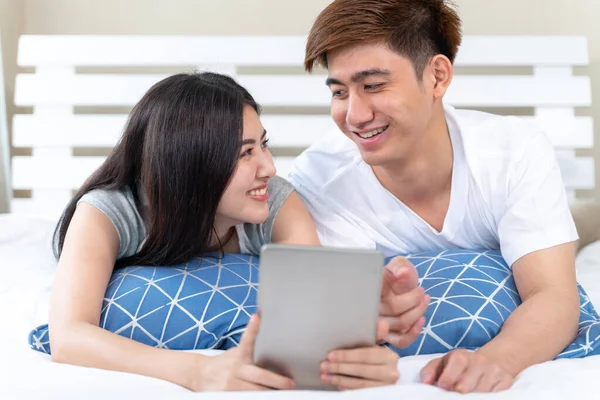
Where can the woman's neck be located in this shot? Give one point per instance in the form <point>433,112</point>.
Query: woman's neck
<point>224,237</point>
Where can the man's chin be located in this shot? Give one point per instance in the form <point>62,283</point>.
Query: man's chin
<point>374,159</point>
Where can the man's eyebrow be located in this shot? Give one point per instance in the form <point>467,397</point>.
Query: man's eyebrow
<point>359,76</point>
<point>252,141</point>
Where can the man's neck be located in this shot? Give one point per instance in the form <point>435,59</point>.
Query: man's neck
<point>427,174</point>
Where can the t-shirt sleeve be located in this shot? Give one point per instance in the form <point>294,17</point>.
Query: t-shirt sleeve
<point>119,206</point>
<point>253,237</point>
<point>537,213</point>
<point>335,227</point>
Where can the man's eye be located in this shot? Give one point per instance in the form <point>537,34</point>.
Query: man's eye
<point>373,86</point>
<point>337,93</point>
<point>265,144</point>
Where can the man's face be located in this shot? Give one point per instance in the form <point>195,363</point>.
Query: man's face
<point>378,102</point>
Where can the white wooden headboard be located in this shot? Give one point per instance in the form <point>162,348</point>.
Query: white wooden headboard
<point>70,74</point>
<point>5,186</point>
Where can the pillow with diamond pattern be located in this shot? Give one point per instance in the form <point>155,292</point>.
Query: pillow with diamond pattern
<point>206,304</point>
<point>472,294</point>
<point>202,304</point>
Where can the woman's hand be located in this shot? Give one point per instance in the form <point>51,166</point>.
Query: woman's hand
<point>361,368</point>
<point>233,370</point>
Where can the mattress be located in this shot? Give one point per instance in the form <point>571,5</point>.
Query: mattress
<point>27,270</point>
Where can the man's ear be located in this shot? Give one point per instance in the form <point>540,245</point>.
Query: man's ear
<point>441,72</point>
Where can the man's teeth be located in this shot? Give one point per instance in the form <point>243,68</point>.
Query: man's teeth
<point>367,135</point>
<point>260,192</point>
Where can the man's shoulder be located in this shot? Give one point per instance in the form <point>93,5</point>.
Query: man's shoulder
<point>482,131</point>
<point>325,161</point>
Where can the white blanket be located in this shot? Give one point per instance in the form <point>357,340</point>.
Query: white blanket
<point>27,269</point>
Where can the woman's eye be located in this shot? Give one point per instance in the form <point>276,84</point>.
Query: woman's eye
<point>246,153</point>
<point>265,144</point>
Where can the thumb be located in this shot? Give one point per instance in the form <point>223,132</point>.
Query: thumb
<point>432,371</point>
<point>249,339</point>
<point>388,282</point>
<point>383,329</point>
<point>405,277</point>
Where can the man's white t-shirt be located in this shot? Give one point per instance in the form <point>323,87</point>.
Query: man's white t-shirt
<point>507,193</point>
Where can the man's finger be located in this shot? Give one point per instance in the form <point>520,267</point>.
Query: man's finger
<point>431,371</point>
<point>470,379</point>
<point>346,382</point>
<point>249,338</point>
<point>395,305</point>
<point>490,379</point>
<point>387,282</point>
<point>402,323</point>
<point>455,365</point>
<point>375,355</point>
<point>404,273</point>
<point>504,384</point>
<point>404,340</point>
<point>397,264</point>
<point>383,329</point>
<point>381,373</point>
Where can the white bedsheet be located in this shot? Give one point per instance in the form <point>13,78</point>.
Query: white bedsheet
<point>27,269</point>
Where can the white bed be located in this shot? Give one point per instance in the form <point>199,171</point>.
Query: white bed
<point>295,117</point>
<point>27,269</point>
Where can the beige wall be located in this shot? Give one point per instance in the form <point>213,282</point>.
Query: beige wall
<point>282,17</point>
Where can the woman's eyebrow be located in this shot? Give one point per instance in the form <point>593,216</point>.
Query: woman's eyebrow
<point>252,141</point>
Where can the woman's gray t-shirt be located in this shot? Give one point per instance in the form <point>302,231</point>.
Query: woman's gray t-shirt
<point>119,206</point>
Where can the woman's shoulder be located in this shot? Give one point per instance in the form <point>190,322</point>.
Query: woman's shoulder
<point>120,207</point>
<point>279,190</point>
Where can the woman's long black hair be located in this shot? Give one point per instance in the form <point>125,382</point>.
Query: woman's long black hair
<point>180,148</point>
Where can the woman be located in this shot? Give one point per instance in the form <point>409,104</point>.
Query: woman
<point>191,174</point>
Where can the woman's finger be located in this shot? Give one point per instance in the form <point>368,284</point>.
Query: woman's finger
<point>266,378</point>
<point>249,339</point>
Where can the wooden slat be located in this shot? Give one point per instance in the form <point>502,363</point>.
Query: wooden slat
<point>105,130</point>
<point>576,132</point>
<point>523,51</point>
<point>132,50</point>
<point>70,173</point>
<point>30,130</point>
<point>304,90</point>
<point>577,173</point>
<point>37,207</point>
<point>298,131</point>
<point>284,130</point>
<point>52,173</point>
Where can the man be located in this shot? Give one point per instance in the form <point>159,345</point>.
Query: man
<point>411,174</point>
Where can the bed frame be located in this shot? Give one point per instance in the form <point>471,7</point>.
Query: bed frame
<point>80,88</point>
<point>5,186</point>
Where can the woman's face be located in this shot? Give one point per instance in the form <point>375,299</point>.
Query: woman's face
<point>245,199</point>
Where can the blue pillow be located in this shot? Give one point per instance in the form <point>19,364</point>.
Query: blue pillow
<point>472,295</point>
<point>206,304</point>
<point>202,304</point>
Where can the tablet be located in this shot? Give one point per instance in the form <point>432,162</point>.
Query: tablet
<point>313,300</point>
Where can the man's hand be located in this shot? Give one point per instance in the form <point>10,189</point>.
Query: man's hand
<point>464,371</point>
<point>403,302</point>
